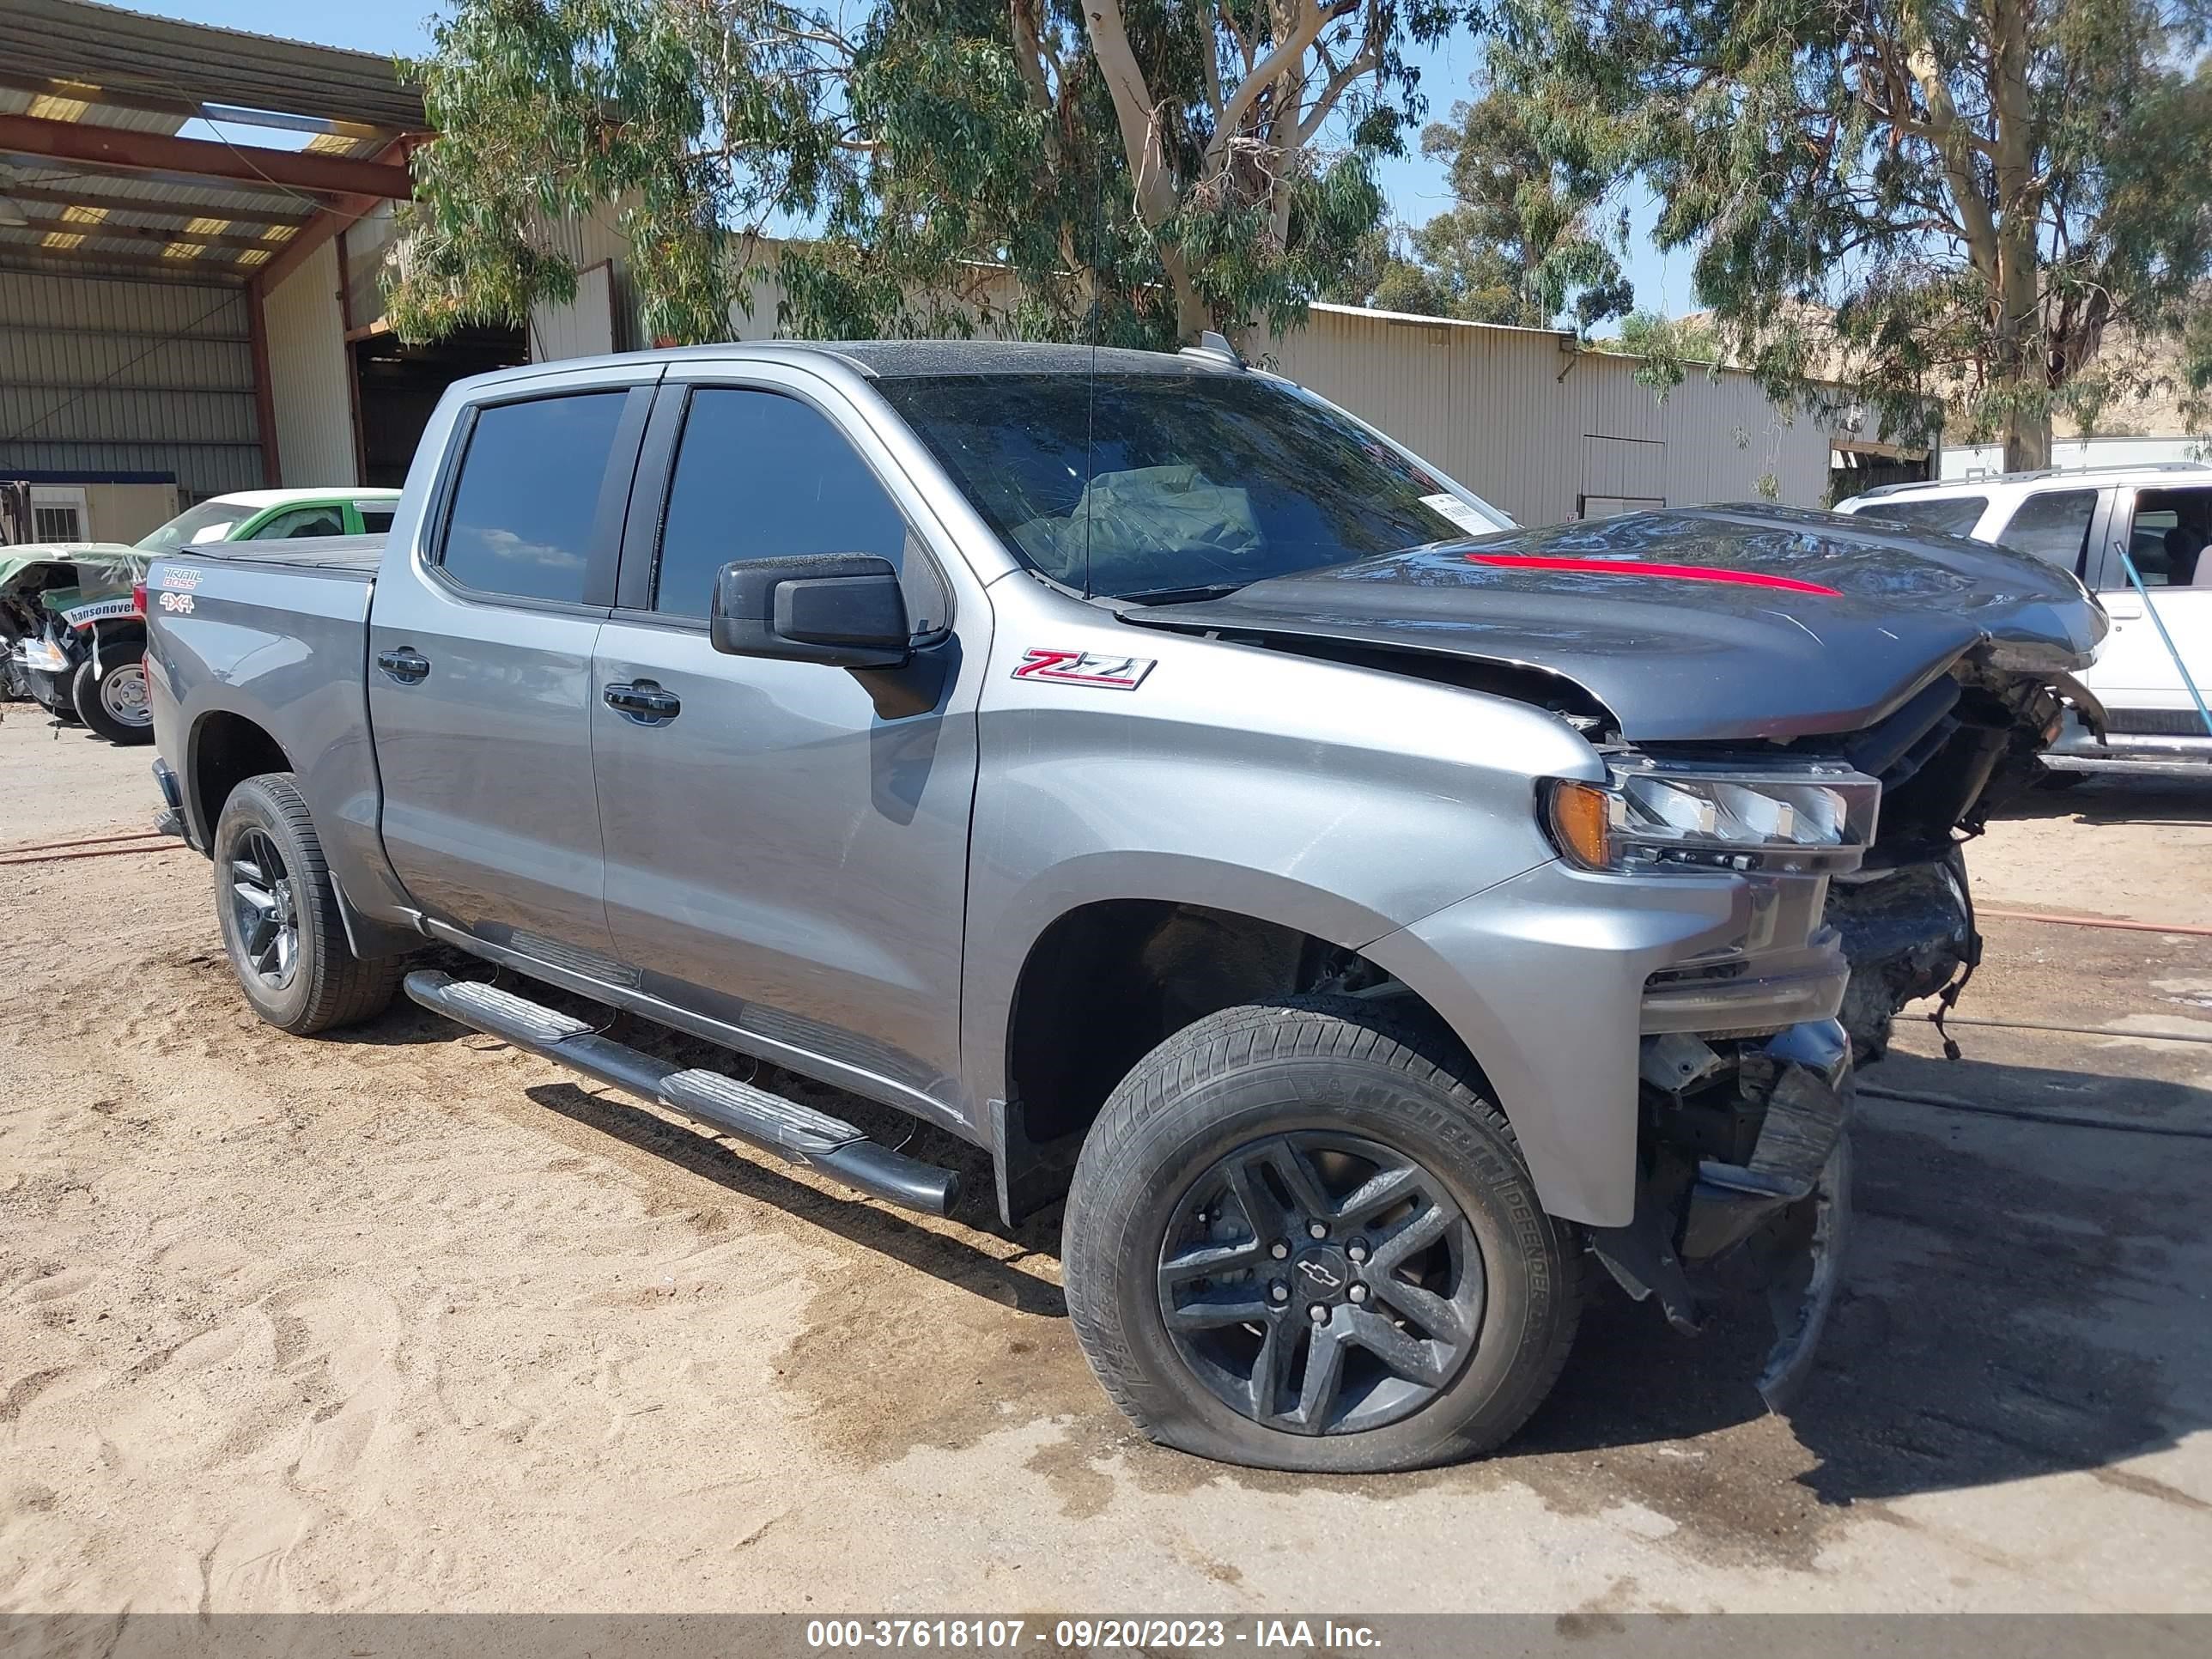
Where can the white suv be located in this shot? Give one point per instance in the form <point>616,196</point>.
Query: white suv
<point>2081,520</point>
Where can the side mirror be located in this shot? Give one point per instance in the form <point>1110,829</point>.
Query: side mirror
<point>843,609</point>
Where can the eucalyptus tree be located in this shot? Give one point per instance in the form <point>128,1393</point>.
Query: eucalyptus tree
<point>1140,169</point>
<point>1939,203</point>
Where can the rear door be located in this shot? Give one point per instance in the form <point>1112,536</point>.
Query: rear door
<point>2163,532</point>
<point>786,850</point>
<point>480,668</point>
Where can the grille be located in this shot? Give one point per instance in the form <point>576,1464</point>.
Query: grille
<point>2155,722</point>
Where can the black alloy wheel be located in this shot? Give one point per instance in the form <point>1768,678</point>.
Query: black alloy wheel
<point>266,908</point>
<point>1319,1283</point>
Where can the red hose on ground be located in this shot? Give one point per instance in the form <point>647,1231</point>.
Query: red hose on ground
<point>2118,922</point>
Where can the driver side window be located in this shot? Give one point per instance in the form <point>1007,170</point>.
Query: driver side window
<point>759,475</point>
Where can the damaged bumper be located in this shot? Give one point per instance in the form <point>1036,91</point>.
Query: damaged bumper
<point>1745,1185</point>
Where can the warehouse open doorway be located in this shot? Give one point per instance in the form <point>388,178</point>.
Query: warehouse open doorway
<point>397,387</point>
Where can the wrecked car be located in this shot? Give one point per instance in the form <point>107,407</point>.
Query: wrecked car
<point>71,633</point>
<point>1371,920</point>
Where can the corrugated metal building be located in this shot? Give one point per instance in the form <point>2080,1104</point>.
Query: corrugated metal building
<point>1547,429</point>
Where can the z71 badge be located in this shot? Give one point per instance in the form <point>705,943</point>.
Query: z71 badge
<point>1083,668</point>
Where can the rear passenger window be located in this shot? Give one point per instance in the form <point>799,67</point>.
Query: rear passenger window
<point>761,476</point>
<point>2053,526</point>
<point>528,495</point>
<point>375,521</point>
<point>1951,515</point>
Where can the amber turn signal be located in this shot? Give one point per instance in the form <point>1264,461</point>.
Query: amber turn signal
<point>1581,816</point>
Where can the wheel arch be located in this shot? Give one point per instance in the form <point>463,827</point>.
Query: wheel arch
<point>224,748</point>
<point>1107,980</point>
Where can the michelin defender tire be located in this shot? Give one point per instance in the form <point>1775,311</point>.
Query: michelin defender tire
<point>279,913</point>
<point>1223,1151</point>
<point>101,701</point>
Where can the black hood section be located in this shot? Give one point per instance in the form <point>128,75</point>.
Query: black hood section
<point>1681,656</point>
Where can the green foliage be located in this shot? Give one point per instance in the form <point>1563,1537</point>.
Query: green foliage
<point>1136,168</point>
<point>1523,243</point>
<point>1669,346</point>
<point>693,120</point>
<point>1936,203</point>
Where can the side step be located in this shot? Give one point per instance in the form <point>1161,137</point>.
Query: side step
<point>796,1133</point>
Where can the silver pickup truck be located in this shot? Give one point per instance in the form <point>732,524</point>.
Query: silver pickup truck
<point>1370,919</point>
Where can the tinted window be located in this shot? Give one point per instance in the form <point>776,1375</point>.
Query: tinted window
<point>375,521</point>
<point>302,521</point>
<point>528,494</point>
<point>1950,515</point>
<point>2053,526</point>
<point>1150,483</point>
<point>757,477</point>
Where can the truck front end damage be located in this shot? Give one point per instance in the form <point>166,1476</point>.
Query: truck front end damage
<point>1743,1120</point>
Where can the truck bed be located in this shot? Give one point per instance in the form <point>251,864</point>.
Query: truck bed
<point>277,634</point>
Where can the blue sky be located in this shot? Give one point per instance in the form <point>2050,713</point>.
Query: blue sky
<point>1415,185</point>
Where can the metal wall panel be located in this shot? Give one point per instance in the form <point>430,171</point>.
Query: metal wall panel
<point>585,327</point>
<point>1509,413</point>
<point>310,379</point>
<point>104,375</point>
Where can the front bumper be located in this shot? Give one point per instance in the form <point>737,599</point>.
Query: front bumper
<point>1746,1184</point>
<point>1670,1055</point>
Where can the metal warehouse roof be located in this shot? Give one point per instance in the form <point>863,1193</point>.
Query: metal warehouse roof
<point>95,173</point>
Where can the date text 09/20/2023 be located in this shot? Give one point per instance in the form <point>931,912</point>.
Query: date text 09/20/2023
<point>1011,1635</point>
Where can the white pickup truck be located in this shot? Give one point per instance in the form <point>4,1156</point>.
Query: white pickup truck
<point>2160,515</point>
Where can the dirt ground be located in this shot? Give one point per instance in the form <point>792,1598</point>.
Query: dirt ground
<point>403,1319</point>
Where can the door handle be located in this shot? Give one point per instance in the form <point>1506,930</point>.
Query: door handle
<point>406,664</point>
<point>643,702</point>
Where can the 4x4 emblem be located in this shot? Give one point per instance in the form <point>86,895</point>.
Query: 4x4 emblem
<point>1083,668</point>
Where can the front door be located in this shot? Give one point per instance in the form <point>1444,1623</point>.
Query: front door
<point>480,673</point>
<point>2165,532</point>
<point>787,843</point>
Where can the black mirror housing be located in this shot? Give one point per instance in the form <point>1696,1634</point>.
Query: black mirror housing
<point>846,609</point>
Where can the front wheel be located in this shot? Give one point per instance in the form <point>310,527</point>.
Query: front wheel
<point>279,912</point>
<point>1300,1239</point>
<point>113,700</point>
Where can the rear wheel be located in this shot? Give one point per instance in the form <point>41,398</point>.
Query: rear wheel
<point>113,700</point>
<point>279,912</point>
<point>1300,1238</point>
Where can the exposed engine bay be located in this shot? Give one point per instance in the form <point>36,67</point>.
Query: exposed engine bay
<point>1744,1150</point>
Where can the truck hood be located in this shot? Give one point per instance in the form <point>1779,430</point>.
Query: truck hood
<point>1703,623</point>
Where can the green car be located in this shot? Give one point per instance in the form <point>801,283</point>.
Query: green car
<point>72,635</point>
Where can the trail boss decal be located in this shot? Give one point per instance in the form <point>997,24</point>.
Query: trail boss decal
<point>180,576</point>
<point>1083,668</point>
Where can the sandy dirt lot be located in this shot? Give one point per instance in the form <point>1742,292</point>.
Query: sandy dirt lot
<point>404,1320</point>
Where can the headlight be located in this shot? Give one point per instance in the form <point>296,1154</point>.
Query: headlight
<point>1683,816</point>
<point>42,654</point>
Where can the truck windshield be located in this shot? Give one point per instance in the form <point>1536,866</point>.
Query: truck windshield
<point>1170,486</point>
<point>210,521</point>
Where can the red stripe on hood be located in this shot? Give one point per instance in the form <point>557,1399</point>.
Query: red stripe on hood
<point>1681,572</point>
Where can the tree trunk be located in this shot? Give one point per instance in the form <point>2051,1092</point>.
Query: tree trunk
<point>2022,366</point>
<point>1193,315</point>
<point>2027,442</point>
